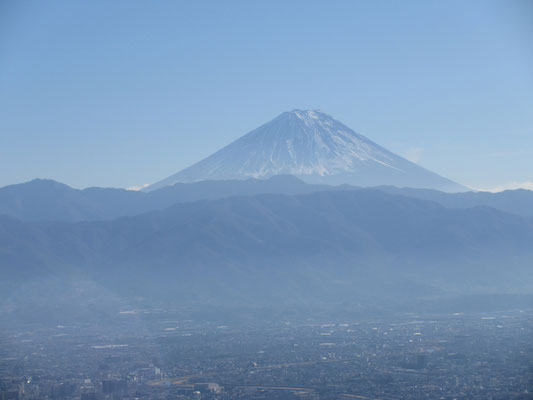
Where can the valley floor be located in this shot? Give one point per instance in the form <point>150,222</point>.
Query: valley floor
<point>161,354</point>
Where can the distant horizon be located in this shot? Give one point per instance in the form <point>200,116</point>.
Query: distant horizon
<point>510,186</point>
<point>138,189</point>
<point>123,94</point>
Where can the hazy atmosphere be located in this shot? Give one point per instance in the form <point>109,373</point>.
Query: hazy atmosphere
<point>244,200</point>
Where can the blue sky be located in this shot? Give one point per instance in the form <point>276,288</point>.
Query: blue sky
<point>124,93</point>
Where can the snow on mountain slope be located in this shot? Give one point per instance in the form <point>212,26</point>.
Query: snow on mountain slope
<point>314,147</point>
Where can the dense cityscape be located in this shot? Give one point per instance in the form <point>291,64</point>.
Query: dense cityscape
<point>159,354</point>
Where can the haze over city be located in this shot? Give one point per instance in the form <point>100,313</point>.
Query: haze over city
<point>231,200</point>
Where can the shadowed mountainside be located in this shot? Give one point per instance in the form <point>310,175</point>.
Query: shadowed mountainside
<point>47,200</point>
<point>323,246</point>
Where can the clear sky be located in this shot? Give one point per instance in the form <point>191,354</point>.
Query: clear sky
<point>124,93</point>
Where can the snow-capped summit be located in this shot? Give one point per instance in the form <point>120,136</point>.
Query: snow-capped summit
<point>314,147</point>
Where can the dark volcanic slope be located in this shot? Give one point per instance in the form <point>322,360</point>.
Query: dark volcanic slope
<point>282,248</point>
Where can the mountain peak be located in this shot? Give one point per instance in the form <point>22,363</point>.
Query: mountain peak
<point>38,183</point>
<point>313,116</point>
<point>314,147</point>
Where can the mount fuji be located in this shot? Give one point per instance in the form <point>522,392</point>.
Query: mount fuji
<point>314,147</point>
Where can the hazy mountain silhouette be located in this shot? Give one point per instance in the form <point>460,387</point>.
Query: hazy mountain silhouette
<point>519,201</point>
<point>47,200</point>
<point>276,248</point>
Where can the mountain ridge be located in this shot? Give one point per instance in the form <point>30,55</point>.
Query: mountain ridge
<point>48,200</point>
<point>271,245</point>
